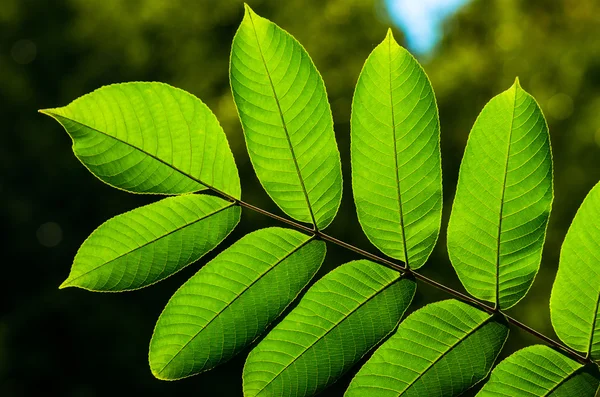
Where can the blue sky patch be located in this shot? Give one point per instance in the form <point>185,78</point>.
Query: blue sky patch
<point>421,20</point>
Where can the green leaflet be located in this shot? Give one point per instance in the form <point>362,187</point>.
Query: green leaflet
<point>153,138</point>
<point>503,200</point>
<point>232,300</point>
<point>339,320</point>
<point>440,350</point>
<point>287,121</point>
<point>539,371</point>
<point>396,171</point>
<point>575,299</point>
<point>150,243</point>
<point>150,138</point>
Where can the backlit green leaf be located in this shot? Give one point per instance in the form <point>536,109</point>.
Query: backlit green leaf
<point>575,300</point>
<point>150,243</point>
<point>339,320</point>
<point>440,350</point>
<point>287,121</point>
<point>539,371</point>
<point>503,199</point>
<point>232,300</point>
<point>396,173</point>
<point>150,138</point>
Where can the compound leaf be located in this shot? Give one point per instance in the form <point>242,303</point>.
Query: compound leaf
<point>539,371</point>
<point>503,199</point>
<point>150,243</point>
<point>396,171</point>
<point>287,121</point>
<point>440,350</point>
<point>232,300</point>
<point>339,320</point>
<point>150,138</point>
<point>575,300</point>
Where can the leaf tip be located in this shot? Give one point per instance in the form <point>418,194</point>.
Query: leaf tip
<point>54,113</point>
<point>160,373</point>
<point>390,35</point>
<point>248,11</point>
<point>517,83</point>
<point>65,284</point>
<point>157,374</point>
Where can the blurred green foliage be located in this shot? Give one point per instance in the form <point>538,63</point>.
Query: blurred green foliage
<point>75,343</point>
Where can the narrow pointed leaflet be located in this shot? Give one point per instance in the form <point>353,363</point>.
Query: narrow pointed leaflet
<point>150,243</point>
<point>287,121</point>
<point>539,371</point>
<point>575,300</point>
<point>396,171</point>
<point>503,198</point>
<point>341,317</point>
<point>150,138</point>
<point>231,301</point>
<point>441,350</point>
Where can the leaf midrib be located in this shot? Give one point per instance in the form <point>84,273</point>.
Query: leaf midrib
<point>226,195</point>
<point>260,277</point>
<point>284,125</point>
<point>500,217</point>
<point>458,342</point>
<point>593,327</point>
<point>398,190</point>
<point>334,326</point>
<point>165,235</point>
<point>564,380</point>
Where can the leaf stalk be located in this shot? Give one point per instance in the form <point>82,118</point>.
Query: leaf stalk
<point>400,267</point>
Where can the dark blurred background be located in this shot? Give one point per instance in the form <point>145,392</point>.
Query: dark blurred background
<point>76,343</point>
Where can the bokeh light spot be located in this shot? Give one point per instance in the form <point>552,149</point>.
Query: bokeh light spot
<point>23,52</point>
<point>508,36</point>
<point>597,137</point>
<point>560,106</point>
<point>421,21</point>
<point>49,234</point>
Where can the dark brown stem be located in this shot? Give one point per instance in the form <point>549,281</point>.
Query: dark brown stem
<point>458,295</point>
<point>404,270</point>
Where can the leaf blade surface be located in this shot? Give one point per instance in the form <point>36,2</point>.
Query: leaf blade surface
<point>503,199</point>
<point>146,245</point>
<point>287,121</point>
<point>396,168</point>
<point>337,321</point>
<point>440,350</point>
<point>576,291</point>
<point>232,300</point>
<point>150,138</point>
<point>539,371</point>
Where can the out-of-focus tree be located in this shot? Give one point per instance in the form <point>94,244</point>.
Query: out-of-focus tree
<point>75,343</point>
<point>554,49</point>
